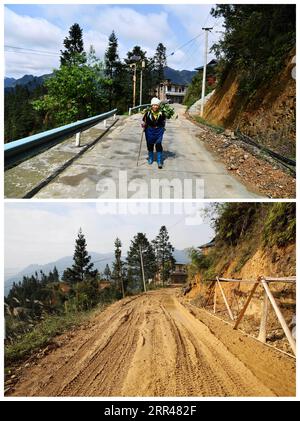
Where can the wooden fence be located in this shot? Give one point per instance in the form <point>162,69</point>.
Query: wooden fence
<point>236,315</point>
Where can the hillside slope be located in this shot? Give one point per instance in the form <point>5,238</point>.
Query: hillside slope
<point>259,248</point>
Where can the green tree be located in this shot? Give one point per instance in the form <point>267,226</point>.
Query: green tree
<point>135,279</point>
<point>115,71</point>
<point>74,92</point>
<point>118,268</point>
<point>164,254</point>
<point>107,273</point>
<point>82,268</point>
<point>74,52</point>
<point>111,57</point>
<point>160,62</point>
<point>20,118</point>
<point>55,275</point>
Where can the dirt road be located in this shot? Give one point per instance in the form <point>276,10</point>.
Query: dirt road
<point>152,345</point>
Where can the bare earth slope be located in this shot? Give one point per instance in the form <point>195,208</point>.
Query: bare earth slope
<point>151,345</point>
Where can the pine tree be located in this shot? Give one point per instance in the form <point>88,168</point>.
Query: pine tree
<point>81,268</point>
<point>113,69</point>
<point>55,275</point>
<point>164,254</point>
<point>135,278</point>
<point>160,62</point>
<point>107,273</point>
<point>111,55</point>
<point>118,268</point>
<point>73,53</point>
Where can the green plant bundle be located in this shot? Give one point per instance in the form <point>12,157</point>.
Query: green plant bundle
<point>165,108</point>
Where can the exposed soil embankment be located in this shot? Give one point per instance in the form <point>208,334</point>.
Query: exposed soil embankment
<point>268,114</point>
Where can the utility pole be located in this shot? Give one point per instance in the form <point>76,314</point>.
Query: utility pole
<point>134,84</point>
<point>142,265</point>
<point>204,69</point>
<point>135,59</point>
<point>141,82</point>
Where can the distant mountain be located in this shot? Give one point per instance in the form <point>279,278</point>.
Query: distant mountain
<point>27,80</point>
<point>100,259</point>
<point>9,82</point>
<point>181,256</point>
<point>182,77</point>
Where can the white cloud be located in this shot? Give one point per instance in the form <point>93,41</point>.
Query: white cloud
<point>31,33</point>
<point>97,40</point>
<point>171,24</point>
<point>132,26</point>
<point>25,31</point>
<point>192,17</point>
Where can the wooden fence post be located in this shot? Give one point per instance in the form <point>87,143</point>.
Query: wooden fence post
<point>264,318</point>
<point>215,298</point>
<point>243,311</point>
<point>225,300</point>
<point>280,316</point>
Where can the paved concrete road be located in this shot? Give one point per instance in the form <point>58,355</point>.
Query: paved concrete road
<point>109,169</point>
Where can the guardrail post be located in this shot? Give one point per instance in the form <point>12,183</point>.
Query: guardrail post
<point>115,116</point>
<point>129,111</point>
<point>104,124</point>
<point>77,141</point>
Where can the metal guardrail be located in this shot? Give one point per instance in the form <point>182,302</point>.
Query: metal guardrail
<point>138,107</point>
<point>287,162</point>
<point>15,147</point>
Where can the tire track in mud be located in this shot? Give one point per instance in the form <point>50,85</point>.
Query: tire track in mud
<point>148,345</point>
<point>215,372</point>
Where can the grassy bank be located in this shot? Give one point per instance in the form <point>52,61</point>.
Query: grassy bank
<point>43,334</point>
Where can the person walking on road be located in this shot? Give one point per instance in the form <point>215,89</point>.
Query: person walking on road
<point>154,121</point>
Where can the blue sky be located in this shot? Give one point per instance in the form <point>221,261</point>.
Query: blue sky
<point>44,232</point>
<point>42,27</point>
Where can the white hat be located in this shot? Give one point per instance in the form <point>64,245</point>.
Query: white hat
<point>155,101</point>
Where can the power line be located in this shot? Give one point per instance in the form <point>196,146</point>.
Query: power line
<point>31,49</point>
<point>31,53</point>
<point>199,35</point>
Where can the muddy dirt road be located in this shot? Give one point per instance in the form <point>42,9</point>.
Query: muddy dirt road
<point>152,345</point>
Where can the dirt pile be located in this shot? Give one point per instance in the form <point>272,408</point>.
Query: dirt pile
<point>254,170</point>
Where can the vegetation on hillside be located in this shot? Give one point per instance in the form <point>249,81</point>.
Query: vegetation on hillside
<point>194,90</point>
<point>240,229</point>
<point>256,41</point>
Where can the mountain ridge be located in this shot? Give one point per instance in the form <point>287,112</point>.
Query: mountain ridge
<point>181,77</point>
